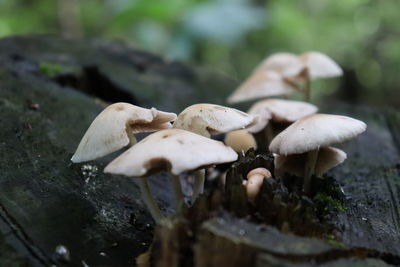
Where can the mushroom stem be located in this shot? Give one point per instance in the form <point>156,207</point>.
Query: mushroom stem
<point>149,200</point>
<point>198,187</point>
<point>253,186</point>
<point>176,186</point>
<point>307,85</point>
<point>132,138</point>
<point>309,169</point>
<point>199,126</point>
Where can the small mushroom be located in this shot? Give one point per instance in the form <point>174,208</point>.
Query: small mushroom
<point>309,134</point>
<point>328,158</point>
<point>261,84</point>
<point>303,68</point>
<point>254,182</point>
<point>172,150</point>
<point>278,111</point>
<point>209,119</point>
<point>320,65</point>
<point>317,65</point>
<point>114,127</point>
<point>240,141</point>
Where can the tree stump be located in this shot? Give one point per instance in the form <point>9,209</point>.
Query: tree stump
<point>55,212</point>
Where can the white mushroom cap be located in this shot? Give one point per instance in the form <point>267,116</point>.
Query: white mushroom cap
<point>261,84</point>
<point>172,149</point>
<point>279,110</point>
<point>320,65</point>
<point>108,131</point>
<point>208,119</point>
<point>314,131</point>
<point>240,140</point>
<point>286,64</point>
<point>328,157</point>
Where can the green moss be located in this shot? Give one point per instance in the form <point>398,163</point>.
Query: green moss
<point>325,202</point>
<point>328,196</point>
<point>50,69</point>
<point>332,240</point>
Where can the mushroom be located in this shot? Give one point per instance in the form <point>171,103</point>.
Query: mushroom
<point>114,127</point>
<point>286,64</point>
<point>240,141</point>
<point>278,111</point>
<point>320,65</point>
<point>209,119</point>
<point>254,182</point>
<point>173,150</point>
<point>261,84</point>
<point>310,133</point>
<point>328,158</point>
<point>317,65</point>
<point>304,68</point>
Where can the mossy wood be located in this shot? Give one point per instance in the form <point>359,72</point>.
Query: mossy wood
<point>50,91</point>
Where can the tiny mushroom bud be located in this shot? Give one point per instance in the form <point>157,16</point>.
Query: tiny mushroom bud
<point>240,141</point>
<point>254,182</point>
<point>309,134</point>
<point>114,127</point>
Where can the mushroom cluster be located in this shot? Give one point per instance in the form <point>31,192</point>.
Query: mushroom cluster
<point>283,74</point>
<point>185,147</point>
<point>300,138</point>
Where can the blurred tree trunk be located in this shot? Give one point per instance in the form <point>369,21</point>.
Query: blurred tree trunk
<point>69,18</point>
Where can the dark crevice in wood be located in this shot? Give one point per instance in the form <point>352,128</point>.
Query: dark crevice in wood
<point>392,122</point>
<point>91,81</point>
<point>22,236</point>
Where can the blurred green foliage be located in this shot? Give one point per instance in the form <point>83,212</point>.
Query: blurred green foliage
<point>233,36</point>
